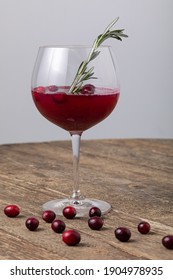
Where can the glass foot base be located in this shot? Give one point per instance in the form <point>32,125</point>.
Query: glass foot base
<point>82,207</point>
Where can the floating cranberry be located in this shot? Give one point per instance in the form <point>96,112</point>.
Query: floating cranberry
<point>71,237</point>
<point>59,97</point>
<point>144,227</point>
<point>40,89</point>
<point>167,241</point>
<point>48,216</point>
<point>95,223</point>
<point>69,212</point>
<point>58,226</point>
<point>36,96</point>
<point>95,211</point>
<point>88,89</point>
<point>11,210</point>
<point>53,88</point>
<point>122,234</point>
<point>32,223</point>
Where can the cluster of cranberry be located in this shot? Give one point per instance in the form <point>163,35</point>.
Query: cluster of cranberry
<point>86,89</point>
<point>95,222</point>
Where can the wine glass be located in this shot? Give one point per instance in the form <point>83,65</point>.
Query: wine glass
<point>75,107</point>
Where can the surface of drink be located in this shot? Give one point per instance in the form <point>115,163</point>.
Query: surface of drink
<point>74,112</point>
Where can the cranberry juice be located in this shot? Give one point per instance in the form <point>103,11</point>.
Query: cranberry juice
<point>74,112</point>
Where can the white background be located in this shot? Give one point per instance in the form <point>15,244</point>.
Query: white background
<point>145,59</point>
<point>83,267</point>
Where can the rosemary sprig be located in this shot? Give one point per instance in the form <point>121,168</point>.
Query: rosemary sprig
<point>83,73</point>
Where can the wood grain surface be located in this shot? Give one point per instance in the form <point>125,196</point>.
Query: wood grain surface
<point>135,176</point>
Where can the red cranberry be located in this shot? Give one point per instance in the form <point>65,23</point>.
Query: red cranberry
<point>167,241</point>
<point>53,88</point>
<point>88,89</point>
<point>36,96</point>
<point>11,210</point>
<point>58,226</point>
<point>58,97</point>
<point>32,223</point>
<point>95,223</point>
<point>69,212</point>
<point>48,216</point>
<point>144,227</point>
<point>95,211</point>
<point>122,234</point>
<point>71,237</point>
<point>40,89</point>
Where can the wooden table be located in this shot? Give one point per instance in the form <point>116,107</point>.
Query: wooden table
<point>135,176</point>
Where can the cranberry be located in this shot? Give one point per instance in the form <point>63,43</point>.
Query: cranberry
<point>36,96</point>
<point>71,237</point>
<point>48,216</point>
<point>167,241</point>
<point>122,234</point>
<point>58,226</point>
<point>95,223</point>
<point>11,210</point>
<point>32,223</point>
<point>144,227</point>
<point>95,211</point>
<point>40,89</point>
<point>69,212</point>
<point>53,88</point>
<point>58,97</point>
<point>88,89</point>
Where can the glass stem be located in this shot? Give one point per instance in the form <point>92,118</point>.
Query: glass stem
<point>76,195</point>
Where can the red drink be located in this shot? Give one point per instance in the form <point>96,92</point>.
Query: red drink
<point>75,112</point>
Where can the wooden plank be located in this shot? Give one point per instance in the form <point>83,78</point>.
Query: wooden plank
<point>135,176</point>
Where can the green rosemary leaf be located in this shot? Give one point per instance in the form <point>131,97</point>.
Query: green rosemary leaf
<point>110,25</point>
<point>94,55</point>
<point>82,67</point>
<point>88,74</point>
<point>83,73</point>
